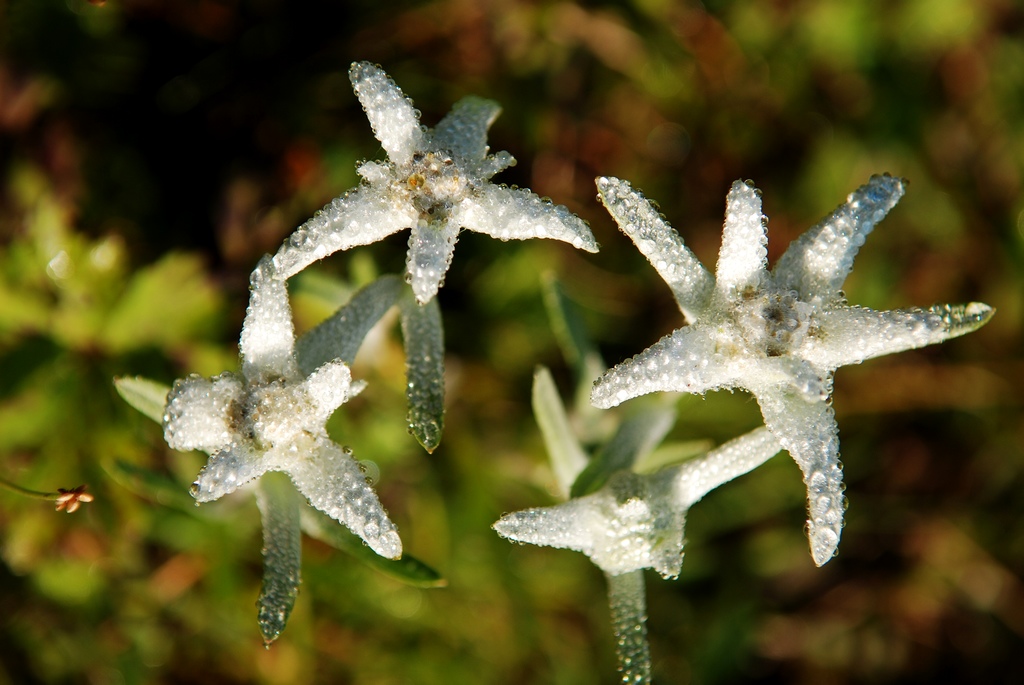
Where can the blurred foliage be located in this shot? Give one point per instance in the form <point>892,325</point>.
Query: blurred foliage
<point>152,150</point>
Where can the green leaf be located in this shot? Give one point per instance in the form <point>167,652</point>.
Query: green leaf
<point>279,505</point>
<point>149,397</point>
<point>636,437</point>
<point>165,304</point>
<point>564,451</point>
<point>340,336</point>
<point>150,484</point>
<point>567,323</point>
<point>407,569</point>
<point>424,359</point>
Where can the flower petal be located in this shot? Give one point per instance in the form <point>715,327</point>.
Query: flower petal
<point>431,246</point>
<point>697,477</point>
<point>816,264</point>
<point>849,335</point>
<point>359,217</point>
<point>200,412</point>
<point>463,131</point>
<point>683,361</point>
<point>229,470</point>
<point>334,483</point>
<point>516,214</point>
<point>744,252</point>
<point>328,387</point>
<point>638,218</point>
<point>394,121</point>
<point>809,433</point>
<point>282,553</point>
<point>268,338</point>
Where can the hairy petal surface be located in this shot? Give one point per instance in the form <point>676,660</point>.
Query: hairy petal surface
<point>394,120</point>
<point>850,335</point>
<point>809,433</point>
<point>696,478</point>
<point>637,217</point>
<point>334,483</point>
<point>229,470</point>
<point>329,387</point>
<point>744,252</point>
<point>268,338</point>
<point>201,413</point>
<point>431,246</point>
<point>517,214</point>
<point>361,216</point>
<point>817,263</point>
<point>683,361</point>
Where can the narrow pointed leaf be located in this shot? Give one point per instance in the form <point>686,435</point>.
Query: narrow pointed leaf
<point>566,322</point>
<point>564,451</point>
<point>635,439</point>
<point>340,336</point>
<point>424,358</point>
<point>279,505</point>
<point>151,484</point>
<point>148,396</point>
<point>407,569</point>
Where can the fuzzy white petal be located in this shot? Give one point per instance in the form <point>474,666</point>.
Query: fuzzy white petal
<point>394,120</point>
<point>334,483</point>
<point>816,264</point>
<point>268,338</point>
<point>637,217</point>
<point>517,214</point>
<point>744,252</point>
<point>200,412</point>
<point>359,217</point>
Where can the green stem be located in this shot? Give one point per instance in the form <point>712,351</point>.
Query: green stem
<point>13,487</point>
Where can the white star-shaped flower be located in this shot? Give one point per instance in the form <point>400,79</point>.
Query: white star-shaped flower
<point>636,521</point>
<point>270,418</point>
<point>779,334</point>
<point>435,182</point>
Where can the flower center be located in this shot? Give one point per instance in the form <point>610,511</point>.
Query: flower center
<point>434,183</point>
<point>274,414</point>
<point>774,323</point>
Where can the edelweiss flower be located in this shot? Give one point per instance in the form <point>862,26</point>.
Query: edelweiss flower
<point>272,419</point>
<point>636,521</point>
<point>435,182</point>
<point>779,334</point>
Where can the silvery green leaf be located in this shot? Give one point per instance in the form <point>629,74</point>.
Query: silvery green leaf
<point>629,621</point>
<point>636,438</point>
<point>564,451</point>
<point>407,569</point>
<point>424,358</point>
<point>568,326</point>
<point>282,553</point>
<point>340,336</point>
<point>148,396</point>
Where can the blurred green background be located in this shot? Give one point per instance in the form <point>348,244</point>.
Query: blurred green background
<point>152,150</point>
